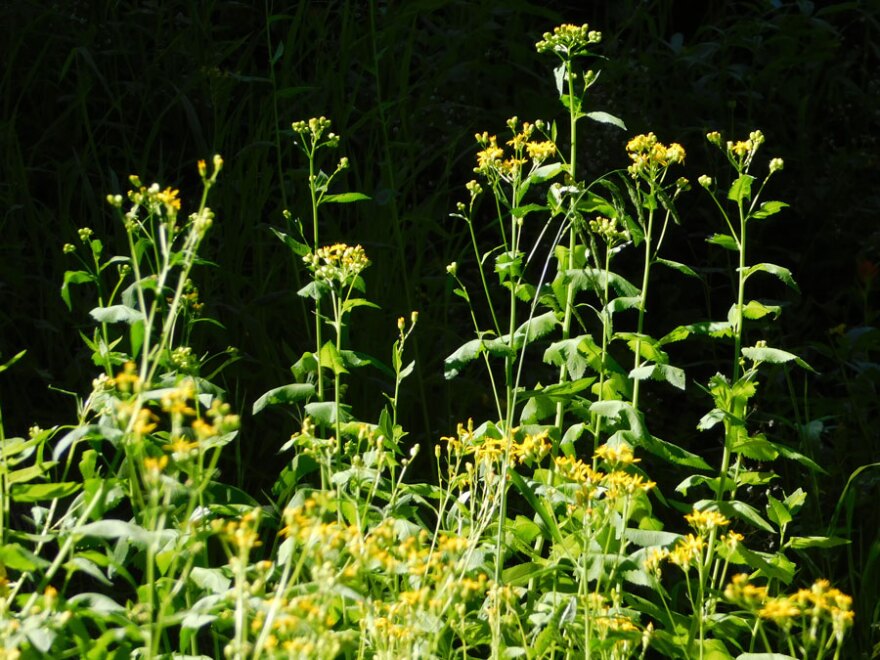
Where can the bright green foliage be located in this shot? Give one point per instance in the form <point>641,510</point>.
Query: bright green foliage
<point>544,533</point>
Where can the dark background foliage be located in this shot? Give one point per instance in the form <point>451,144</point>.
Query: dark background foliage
<point>94,91</point>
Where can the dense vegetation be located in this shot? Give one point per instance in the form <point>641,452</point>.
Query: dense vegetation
<point>592,383</point>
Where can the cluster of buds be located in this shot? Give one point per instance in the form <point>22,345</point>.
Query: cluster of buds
<point>338,263</point>
<point>568,40</point>
<point>650,158</point>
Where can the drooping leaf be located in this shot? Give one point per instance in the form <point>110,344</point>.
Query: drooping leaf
<point>116,314</point>
<point>784,274</point>
<point>73,277</point>
<point>284,394</point>
<point>774,356</point>
<point>680,267</point>
<point>768,208</point>
<point>606,118</point>
<point>465,353</point>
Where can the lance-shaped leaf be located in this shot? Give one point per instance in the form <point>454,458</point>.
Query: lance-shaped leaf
<point>284,394</point>
<point>774,356</point>
<point>606,118</point>
<point>782,273</point>
<point>767,209</point>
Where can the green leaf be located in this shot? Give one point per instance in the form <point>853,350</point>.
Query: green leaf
<point>116,314</point>
<point>15,358</point>
<point>344,198</point>
<point>606,118</point>
<point>332,359</point>
<point>741,190</point>
<point>681,268</point>
<point>777,512</point>
<point>754,310</point>
<point>757,448</point>
<point>661,372</point>
<point>545,173</point>
<point>523,211</point>
<point>326,412</point>
<point>299,249</point>
<point>210,579</point>
<point>737,509</point>
<point>773,356</point>
<point>73,277</point>
<point>284,394</point>
<point>784,274</point>
<point>725,241</point>
<point>764,656</point>
<point>801,542</point>
<point>705,328</point>
<point>537,505</point>
<point>38,492</point>
<point>646,538</point>
<point>767,209</point>
<point>112,529</point>
<point>594,279</point>
<point>465,353</point>
<point>16,557</point>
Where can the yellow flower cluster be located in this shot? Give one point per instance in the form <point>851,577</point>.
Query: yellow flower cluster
<point>706,521</point>
<point>596,485</point>
<point>241,534</point>
<point>491,161</point>
<point>488,451</point>
<point>153,198</point>
<point>820,603</point>
<point>569,40</point>
<point>338,263</point>
<point>650,158</point>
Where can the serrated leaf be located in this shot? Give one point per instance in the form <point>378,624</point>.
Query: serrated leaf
<point>784,274</point>
<point>660,372</point>
<point>326,412</point>
<point>715,329</point>
<point>284,394</point>
<point>116,314</point>
<point>464,354</point>
<point>773,356</point>
<point>757,448</point>
<point>606,118</point>
<point>756,310</point>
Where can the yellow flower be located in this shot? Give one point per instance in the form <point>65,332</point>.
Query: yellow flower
<point>616,456</point>
<point>705,521</point>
